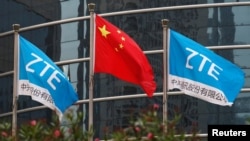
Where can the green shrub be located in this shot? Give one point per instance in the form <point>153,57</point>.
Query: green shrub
<point>147,126</point>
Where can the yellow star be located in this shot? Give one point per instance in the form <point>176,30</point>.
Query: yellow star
<point>121,46</point>
<point>123,39</point>
<point>104,31</point>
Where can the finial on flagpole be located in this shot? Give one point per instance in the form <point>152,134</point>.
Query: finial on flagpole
<point>91,7</point>
<point>16,27</point>
<point>164,22</point>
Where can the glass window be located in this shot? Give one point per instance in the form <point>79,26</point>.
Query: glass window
<point>241,59</point>
<point>6,54</point>
<point>69,50</point>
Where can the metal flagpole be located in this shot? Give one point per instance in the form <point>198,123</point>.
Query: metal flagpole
<point>16,54</point>
<point>165,69</point>
<point>91,68</point>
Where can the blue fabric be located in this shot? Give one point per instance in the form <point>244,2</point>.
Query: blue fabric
<point>192,61</point>
<point>44,78</point>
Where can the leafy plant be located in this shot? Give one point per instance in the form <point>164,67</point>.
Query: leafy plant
<point>148,126</point>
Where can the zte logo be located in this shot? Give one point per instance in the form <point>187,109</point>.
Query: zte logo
<point>46,70</point>
<point>214,69</point>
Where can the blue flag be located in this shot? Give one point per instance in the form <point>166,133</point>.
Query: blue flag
<point>41,79</point>
<point>201,73</point>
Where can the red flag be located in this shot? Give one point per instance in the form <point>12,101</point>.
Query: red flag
<point>118,54</point>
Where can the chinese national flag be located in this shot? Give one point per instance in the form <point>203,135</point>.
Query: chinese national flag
<point>118,54</point>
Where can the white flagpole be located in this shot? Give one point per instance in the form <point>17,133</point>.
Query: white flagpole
<point>165,69</point>
<point>15,79</point>
<point>91,68</point>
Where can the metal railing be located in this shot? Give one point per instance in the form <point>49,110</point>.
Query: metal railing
<point>139,11</point>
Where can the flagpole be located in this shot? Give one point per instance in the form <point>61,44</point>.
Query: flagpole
<point>14,114</point>
<point>91,68</point>
<point>165,69</point>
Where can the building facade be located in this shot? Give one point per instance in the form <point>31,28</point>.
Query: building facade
<point>209,22</point>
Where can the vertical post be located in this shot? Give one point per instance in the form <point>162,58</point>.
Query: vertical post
<point>165,68</point>
<point>16,54</point>
<point>91,68</point>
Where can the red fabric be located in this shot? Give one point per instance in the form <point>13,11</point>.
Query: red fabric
<point>119,55</point>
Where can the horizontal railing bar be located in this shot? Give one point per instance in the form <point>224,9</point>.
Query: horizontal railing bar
<point>146,138</point>
<point>146,52</point>
<point>180,7</point>
<point>66,62</point>
<point>138,11</point>
<point>153,51</point>
<point>6,73</point>
<point>106,99</point>
<point>229,47</point>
